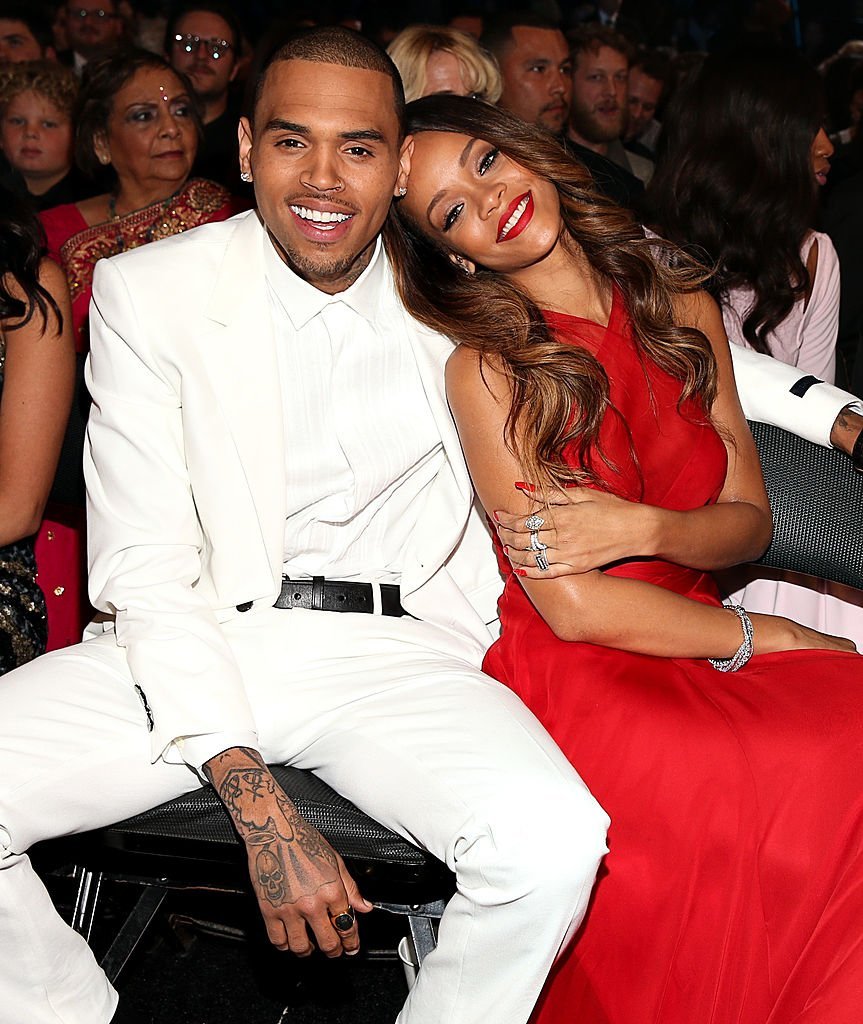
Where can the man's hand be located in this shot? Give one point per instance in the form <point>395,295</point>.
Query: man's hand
<point>846,432</point>
<point>299,879</point>
<point>584,529</point>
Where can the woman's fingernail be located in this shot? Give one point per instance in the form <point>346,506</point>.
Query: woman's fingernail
<point>496,517</point>
<point>521,572</point>
<point>524,486</point>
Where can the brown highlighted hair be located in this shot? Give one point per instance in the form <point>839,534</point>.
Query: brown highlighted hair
<point>560,392</point>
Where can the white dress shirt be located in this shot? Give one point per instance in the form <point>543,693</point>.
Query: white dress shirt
<point>361,441</point>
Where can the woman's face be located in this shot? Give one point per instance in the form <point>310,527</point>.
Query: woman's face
<point>444,74</point>
<point>479,204</point>
<point>820,153</point>
<point>36,137</point>
<point>150,139</point>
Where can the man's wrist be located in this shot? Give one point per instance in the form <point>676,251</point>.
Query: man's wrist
<point>846,434</point>
<point>857,453</point>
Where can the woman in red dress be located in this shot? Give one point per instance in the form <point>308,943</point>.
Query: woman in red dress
<point>725,747</point>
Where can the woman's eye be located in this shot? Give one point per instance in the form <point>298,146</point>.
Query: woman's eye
<point>488,160</point>
<point>183,110</point>
<point>142,116</point>
<point>452,216</point>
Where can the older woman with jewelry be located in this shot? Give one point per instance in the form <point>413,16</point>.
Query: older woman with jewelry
<point>137,118</point>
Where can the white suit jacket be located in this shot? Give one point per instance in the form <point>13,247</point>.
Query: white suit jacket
<point>185,469</point>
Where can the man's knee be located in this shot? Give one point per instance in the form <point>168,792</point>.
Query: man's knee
<point>549,842</point>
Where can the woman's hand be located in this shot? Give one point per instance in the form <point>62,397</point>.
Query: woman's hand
<point>773,633</point>
<point>583,529</point>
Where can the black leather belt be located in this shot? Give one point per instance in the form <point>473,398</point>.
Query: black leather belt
<point>319,594</point>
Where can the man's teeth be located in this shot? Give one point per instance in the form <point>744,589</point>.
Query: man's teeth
<point>515,218</point>
<point>320,216</point>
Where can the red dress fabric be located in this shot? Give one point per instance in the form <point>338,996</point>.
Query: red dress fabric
<point>733,889</point>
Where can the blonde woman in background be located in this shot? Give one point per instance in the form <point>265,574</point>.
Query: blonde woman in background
<point>434,59</point>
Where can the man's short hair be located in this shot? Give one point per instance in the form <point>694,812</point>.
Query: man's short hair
<point>33,15</point>
<point>497,32</point>
<point>208,7</point>
<point>342,47</point>
<point>592,38</point>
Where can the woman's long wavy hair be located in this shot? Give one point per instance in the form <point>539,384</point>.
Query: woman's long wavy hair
<point>21,252</point>
<point>734,181</point>
<point>560,392</point>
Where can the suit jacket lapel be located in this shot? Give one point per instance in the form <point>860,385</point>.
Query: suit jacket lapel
<point>243,367</point>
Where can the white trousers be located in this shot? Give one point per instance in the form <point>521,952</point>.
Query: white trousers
<point>391,713</point>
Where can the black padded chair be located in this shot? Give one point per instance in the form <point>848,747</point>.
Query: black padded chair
<point>817,502</point>
<point>190,843</point>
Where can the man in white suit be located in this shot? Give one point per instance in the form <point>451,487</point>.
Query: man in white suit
<point>269,428</point>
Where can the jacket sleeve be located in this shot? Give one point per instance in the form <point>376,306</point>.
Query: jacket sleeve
<point>774,392</point>
<point>144,537</point>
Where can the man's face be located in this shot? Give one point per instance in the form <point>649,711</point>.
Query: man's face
<point>326,160</point>
<point>211,61</point>
<point>644,96</point>
<point>17,42</point>
<point>93,27</point>
<point>599,83</point>
<point>537,77</point>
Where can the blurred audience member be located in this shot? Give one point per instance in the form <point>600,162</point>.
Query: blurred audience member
<point>36,133</point>
<point>737,182</point>
<point>94,30</point>
<point>24,32</point>
<point>433,59</point>
<point>743,159</point>
<point>202,40</point>
<point>649,81</point>
<point>470,23</point>
<point>608,14</point>
<point>37,366</point>
<point>136,117</point>
<point>600,73</point>
<point>536,68</point>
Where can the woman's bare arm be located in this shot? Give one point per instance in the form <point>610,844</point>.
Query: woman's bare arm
<point>37,395</point>
<point>592,606</point>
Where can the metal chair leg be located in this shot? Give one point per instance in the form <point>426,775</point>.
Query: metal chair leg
<point>136,924</point>
<point>86,899</point>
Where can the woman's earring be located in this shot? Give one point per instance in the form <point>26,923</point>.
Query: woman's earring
<point>462,265</point>
<point>245,176</point>
<point>402,192</point>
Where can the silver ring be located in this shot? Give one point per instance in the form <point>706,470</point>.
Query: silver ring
<point>536,544</point>
<point>345,921</point>
<point>541,561</point>
<point>534,522</point>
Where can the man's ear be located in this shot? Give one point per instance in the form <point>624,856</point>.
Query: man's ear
<point>244,134</point>
<point>405,156</point>
<point>463,264</point>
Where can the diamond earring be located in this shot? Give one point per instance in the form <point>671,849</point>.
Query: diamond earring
<point>245,176</point>
<point>402,192</point>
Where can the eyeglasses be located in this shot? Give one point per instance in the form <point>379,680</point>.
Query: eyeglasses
<point>190,43</point>
<point>82,12</point>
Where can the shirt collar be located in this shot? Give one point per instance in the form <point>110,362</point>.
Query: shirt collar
<point>302,302</point>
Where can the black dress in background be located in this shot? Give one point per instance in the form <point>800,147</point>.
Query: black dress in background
<point>23,622</point>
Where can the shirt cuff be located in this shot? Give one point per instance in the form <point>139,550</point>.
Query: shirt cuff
<point>824,402</point>
<point>197,750</point>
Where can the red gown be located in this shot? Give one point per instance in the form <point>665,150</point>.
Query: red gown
<point>733,889</point>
